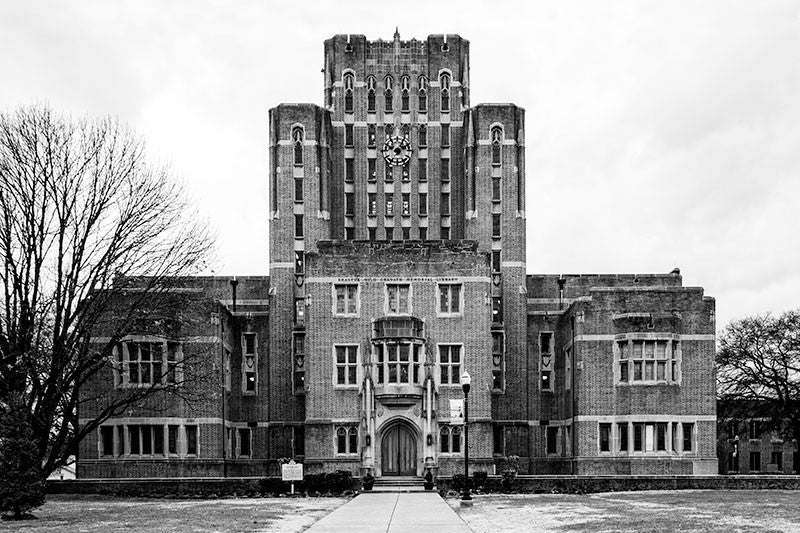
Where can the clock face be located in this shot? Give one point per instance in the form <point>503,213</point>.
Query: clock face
<point>396,150</point>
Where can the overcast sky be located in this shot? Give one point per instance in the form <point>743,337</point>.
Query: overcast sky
<point>659,134</point>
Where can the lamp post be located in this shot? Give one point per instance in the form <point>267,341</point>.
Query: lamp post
<point>466,498</point>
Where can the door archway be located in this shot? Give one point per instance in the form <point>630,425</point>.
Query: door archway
<point>399,451</point>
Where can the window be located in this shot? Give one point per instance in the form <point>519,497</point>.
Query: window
<point>547,351</point>
<point>346,365</point>
<point>191,440</point>
<point>172,439</point>
<point>371,136</point>
<point>496,189</point>
<point>299,352</point>
<point>444,232</point>
<point>372,172</point>
<point>755,461</point>
<point>398,301</point>
<point>106,441</point>
<point>445,135</point>
<point>497,310</point>
<point>297,140</point>
<point>372,206</point>
<point>423,135</point>
<point>371,94</point>
<point>406,204</point>
<point>404,170</point>
<point>371,234</point>
<point>444,85</point>
<point>675,437</point>
<point>423,234</point>
<point>423,203</point>
<point>388,174</point>
<point>498,440</point>
<point>647,361</point>
<point>449,298</point>
<point>449,364</point>
<point>638,431</point>
<point>387,94</point>
<point>300,311</point>
<point>298,189</point>
<point>348,92</point>
<point>243,440</point>
<point>348,135</point>
<point>389,211</point>
<point>444,170</point>
<point>497,142</point>
<point>498,351</point>
<point>450,439</point>
<point>228,371</point>
<point>445,204</point>
<point>622,429</point>
<point>298,226</point>
<point>145,439</point>
<point>688,434</point>
<point>661,437</point>
<point>547,380</point>
<point>349,170</point>
<point>349,203</point>
<point>147,362</point>
<point>552,439</point>
<point>249,363</point>
<point>568,369</point>
<point>405,88</point>
<point>422,94</point>
<point>777,460</point>
<point>398,363</point>
<point>754,429</point>
<point>346,440</point>
<point>346,299</point>
<point>495,225</point>
<point>299,262</point>
<point>495,260</point>
<point>422,170</point>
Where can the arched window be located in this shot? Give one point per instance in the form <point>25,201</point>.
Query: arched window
<point>387,94</point>
<point>297,140</point>
<point>422,93</point>
<point>371,94</point>
<point>348,80</point>
<point>405,88</point>
<point>444,84</point>
<point>497,144</point>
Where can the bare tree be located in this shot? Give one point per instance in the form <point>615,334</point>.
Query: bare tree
<point>758,370</point>
<point>83,217</point>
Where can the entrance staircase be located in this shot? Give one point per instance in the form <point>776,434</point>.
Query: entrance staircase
<point>398,484</point>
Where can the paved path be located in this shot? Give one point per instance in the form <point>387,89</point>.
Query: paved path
<point>393,513</point>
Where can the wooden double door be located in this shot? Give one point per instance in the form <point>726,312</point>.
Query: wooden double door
<point>399,452</point>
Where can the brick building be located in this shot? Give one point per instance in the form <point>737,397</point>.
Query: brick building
<point>397,262</point>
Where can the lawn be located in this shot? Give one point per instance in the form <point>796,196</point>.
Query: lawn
<point>102,514</point>
<point>651,511</point>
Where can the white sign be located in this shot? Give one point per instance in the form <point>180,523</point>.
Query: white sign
<point>292,471</point>
<point>456,412</point>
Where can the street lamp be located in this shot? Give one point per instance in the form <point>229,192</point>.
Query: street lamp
<point>466,498</point>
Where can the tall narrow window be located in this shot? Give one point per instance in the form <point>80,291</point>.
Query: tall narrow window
<point>497,143</point>
<point>450,439</point>
<point>444,85</point>
<point>372,207</point>
<point>445,204</point>
<point>249,363</point>
<point>444,232</point>
<point>297,140</point>
<point>243,438</point>
<point>422,169</point>
<point>388,95</point>
<point>372,172</point>
<point>498,350</point>
<point>423,135</point>
<point>389,207</point>
<point>444,170</point>
<point>371,94</point>
<point>349,170</point>
<point>423,203</point>
<point>605,437</point>
<point>423,234</point>
<point>406,204</point>
<point>348,135</point>
<point>495,260</point>
<point>445,135</point>
<point>191,440</point>
<point>496,225</point>
<point>348,92</point>
<point>298,226</point>
<point>398,300</point>
<point>298,189</point>
<point>349,203</point>
<point>622,429</point>
<point>688,435</point>
<point>371,136</point>
<point>346,440</point>
<point>299,352</point>
<point>422,94</point>
<point>552,439</point>
<point>496,188</point>
<point>405,89</point>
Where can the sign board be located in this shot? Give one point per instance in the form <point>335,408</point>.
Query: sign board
<point>456,412</point>
<point>292,471</point>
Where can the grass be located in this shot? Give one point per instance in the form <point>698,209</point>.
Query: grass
<point>107,514</point>
<point>650,511</point>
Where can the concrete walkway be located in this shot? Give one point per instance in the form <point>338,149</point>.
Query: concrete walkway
<point>393,513</point>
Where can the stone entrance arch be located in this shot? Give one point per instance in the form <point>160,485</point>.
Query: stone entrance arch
<point>399,449</point>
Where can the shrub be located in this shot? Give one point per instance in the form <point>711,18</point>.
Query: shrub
<point>479,479</point>
<point>508,480</point>
<point>21,480</point>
